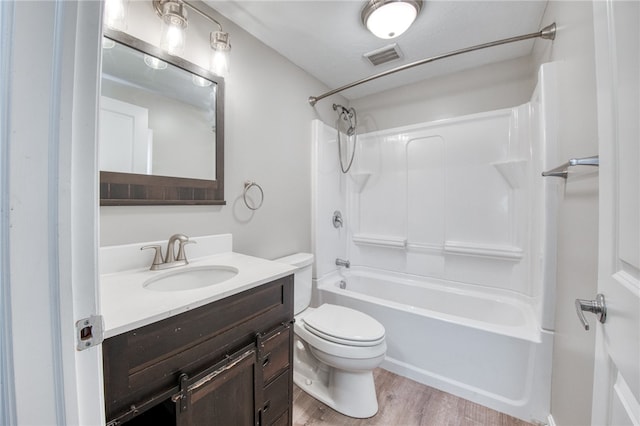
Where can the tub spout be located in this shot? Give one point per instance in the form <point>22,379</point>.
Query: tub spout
<point>341,262</point>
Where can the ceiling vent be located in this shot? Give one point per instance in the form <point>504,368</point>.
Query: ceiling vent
<point>384,54</point>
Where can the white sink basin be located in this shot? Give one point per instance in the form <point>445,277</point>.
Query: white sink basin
<point>191,278</point>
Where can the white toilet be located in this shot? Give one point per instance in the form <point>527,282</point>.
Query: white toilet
<point>335,348</point>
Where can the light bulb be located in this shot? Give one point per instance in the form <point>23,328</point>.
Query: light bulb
<point>200,81</point>
<point>220,63</point>
<point>155,63</point>
<point>172,39</point>
<point>115,14</point>
<point>108,43</point>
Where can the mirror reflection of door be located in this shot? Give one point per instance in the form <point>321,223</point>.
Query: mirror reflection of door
<point>125,140</point>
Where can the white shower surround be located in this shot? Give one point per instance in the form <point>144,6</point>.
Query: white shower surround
<point>458,202</point>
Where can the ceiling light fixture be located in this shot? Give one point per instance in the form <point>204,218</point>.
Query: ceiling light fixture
<point>174,18</point>
<point>390,18</point>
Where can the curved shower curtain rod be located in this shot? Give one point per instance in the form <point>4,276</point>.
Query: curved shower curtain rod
<point>548,33</point>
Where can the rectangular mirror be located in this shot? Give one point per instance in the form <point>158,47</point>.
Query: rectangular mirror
<point>161,137</point>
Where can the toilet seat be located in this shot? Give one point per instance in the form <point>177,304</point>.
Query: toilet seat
<point>344,326</point>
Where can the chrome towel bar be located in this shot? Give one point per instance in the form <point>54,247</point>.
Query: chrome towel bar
<point>563,170</point>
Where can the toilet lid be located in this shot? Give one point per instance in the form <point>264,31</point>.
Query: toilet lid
<point>344,325</point>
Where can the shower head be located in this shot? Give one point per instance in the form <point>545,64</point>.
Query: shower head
<point>341,110</point>
<point>349,116</point>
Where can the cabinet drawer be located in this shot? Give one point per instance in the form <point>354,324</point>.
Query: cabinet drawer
<point>276,399</point>
<point>275,353</point>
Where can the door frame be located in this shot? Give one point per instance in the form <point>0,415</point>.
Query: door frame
<point>49,222</point>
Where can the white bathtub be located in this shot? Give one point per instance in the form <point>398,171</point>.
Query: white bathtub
<point>486,346</point>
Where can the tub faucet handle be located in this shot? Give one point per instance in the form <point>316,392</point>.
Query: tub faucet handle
<point>341,262</point>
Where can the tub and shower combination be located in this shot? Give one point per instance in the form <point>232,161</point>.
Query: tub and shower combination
<point>449,230</point>
<point>483,347</point>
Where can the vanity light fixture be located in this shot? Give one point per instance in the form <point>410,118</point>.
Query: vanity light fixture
<point>174,25</point>
<point>174,17</point>
<point>389,18</point>
<point>220,47</point>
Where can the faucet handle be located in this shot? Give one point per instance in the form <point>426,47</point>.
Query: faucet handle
<point>157,258</point>
<point>181,252</point>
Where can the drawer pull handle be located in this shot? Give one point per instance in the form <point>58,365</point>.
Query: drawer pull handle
<point>266,406</point>
<point>266,361</point>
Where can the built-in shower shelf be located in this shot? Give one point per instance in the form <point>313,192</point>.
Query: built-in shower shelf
<point>503,252</point>
<point>388,241</point>
<point>359,180</point>
<point>513,171</point>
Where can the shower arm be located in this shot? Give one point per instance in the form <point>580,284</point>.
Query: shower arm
<point>547,33</point>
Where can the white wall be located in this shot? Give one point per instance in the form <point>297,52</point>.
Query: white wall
<point>486,88</point>
<point>573,358</point>
<point>267,139</point>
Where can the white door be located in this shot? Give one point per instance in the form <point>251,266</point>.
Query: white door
<point>125,140</point>
<point>616,395</point>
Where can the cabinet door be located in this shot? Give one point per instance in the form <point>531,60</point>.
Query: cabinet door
<point>221,395</point>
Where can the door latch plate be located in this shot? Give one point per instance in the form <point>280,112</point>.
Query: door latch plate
<point>89,332</point>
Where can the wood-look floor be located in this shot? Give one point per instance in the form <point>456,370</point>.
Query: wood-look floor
<point>403,402</point>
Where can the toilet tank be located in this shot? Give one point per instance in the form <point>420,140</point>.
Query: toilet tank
<point>302,279</point>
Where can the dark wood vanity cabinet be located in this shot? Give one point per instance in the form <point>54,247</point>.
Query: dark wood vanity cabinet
<point>228,363</point>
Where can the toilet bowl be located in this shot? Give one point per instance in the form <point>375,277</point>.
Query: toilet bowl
<point>335,348</point>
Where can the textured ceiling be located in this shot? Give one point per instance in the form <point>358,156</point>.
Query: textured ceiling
<point>327,39</point>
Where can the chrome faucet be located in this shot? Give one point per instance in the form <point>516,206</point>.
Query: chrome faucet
<point>341,262</point>
<point>170,260</point>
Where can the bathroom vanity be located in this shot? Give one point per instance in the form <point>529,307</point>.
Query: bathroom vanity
<point>220,355</point>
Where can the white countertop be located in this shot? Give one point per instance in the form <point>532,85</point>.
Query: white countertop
<point>127,305</point>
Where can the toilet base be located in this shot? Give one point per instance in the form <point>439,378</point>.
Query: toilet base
<point>350,393</point>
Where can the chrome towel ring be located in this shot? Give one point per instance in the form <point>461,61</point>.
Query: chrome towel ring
<point>247,186</point>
